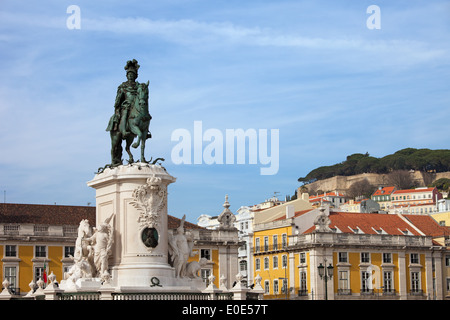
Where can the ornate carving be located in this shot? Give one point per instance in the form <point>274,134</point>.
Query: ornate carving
<point>149,199</point>
<point>226,218</point>
<point>322,221</point>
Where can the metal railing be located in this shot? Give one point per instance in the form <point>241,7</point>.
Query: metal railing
<point>160,296</point>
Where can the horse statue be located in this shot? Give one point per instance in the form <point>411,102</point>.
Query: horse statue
<point>139,120</point>
<point>131,117</point>
<point>81,246</point>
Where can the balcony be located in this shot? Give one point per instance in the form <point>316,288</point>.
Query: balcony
<point>416,292</point>
<point>269,248</point>
<point>366,292</point>
<point>344,292</point>
<point>35,230</point>
<point>389,292</point>
<point>302,292</point>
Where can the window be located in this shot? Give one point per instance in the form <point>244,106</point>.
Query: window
<point>11,251</point>
<point>205,253</point>
<point>266,287</point>
<point>38,273</point>
<point>243,265</point>
<point>11,275</point>
<point>69,251</point>
<point>387,281</point>
<point>284,240</point>
<point>366,281</point>
<point>40,252</point>
<point>275,262</point>
<point>415,281</point>
<point>387,257</point>
<point>258,264</point>
<point>275,286</point>
<point>414,258</point>
<point>205,273</point>
<point>303,289</point>
<point>342,257</point>
<point>266,263</point>
<point>343,280</point>
<point>365,257</point>
<point>257,245</point>
<point>275,242</point>
<point>266,243</point>
<point>284,259</point>
<point>302,257</point>
<point>447,260</point>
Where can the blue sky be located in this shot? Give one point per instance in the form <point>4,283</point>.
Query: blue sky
<point>311,69</point>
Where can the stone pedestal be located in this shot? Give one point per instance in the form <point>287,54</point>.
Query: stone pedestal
<point>136,196</point>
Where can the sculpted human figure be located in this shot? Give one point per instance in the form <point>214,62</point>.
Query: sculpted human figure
<point>180,248</point>
<point>102,240</point>
<point>131,117</point>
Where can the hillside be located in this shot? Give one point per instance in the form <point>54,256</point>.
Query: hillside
<point>422,160</point>
<point>366,183</point>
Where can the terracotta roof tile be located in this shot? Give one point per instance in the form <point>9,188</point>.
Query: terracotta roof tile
<point>390,223</point>
<point>384,191</point>
<point>428,225</point>
<point>367,222</point>
<point>45,214</point>
<point>61,215</point>
<point>413,190</point>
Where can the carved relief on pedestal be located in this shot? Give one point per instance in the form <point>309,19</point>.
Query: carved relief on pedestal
<point>150,199</point>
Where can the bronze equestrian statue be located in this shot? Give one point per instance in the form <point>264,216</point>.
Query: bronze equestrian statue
<point>131,117</point>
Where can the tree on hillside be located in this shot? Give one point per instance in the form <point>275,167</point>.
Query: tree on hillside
<point>401,179</point>
<point>423,160</point>
<point>360,188</point>
<point>442,184</point>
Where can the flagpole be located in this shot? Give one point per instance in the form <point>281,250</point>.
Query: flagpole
<point>45,272</point>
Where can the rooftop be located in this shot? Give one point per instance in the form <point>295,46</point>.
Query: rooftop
<point>61,215</point>
<point>384,191</point>
<point>393,224</point>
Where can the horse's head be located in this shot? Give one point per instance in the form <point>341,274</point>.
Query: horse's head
<point>142,94</point>
<point>84,228</point>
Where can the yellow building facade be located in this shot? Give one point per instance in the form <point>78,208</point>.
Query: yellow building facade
<point>271,259</point>
<point>372,256</point>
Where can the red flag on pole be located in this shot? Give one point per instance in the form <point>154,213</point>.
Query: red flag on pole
<point>45,273</point>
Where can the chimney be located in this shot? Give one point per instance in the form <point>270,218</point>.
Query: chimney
<point>289,211</point>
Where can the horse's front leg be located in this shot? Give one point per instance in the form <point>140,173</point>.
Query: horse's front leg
<point>137,131</point>
<point>142,151</point>
<point>127,148</point>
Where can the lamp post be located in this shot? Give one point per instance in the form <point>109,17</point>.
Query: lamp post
<point>325,274</point>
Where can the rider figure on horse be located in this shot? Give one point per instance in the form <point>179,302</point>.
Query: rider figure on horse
<point>126,94</point>
<point>122,125</point>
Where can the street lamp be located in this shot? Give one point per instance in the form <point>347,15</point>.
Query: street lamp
<point>325,274</point>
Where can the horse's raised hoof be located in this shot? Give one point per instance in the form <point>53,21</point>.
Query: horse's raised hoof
<point>135,145</point>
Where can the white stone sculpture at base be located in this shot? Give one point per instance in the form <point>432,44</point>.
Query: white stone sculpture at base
<point>91,257</point>
<point>40,290</point>
<point>193,268</point>
<point>180,249</point>
<point>102,240</point>
<point>30,293</point>
<point>222,283</point>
